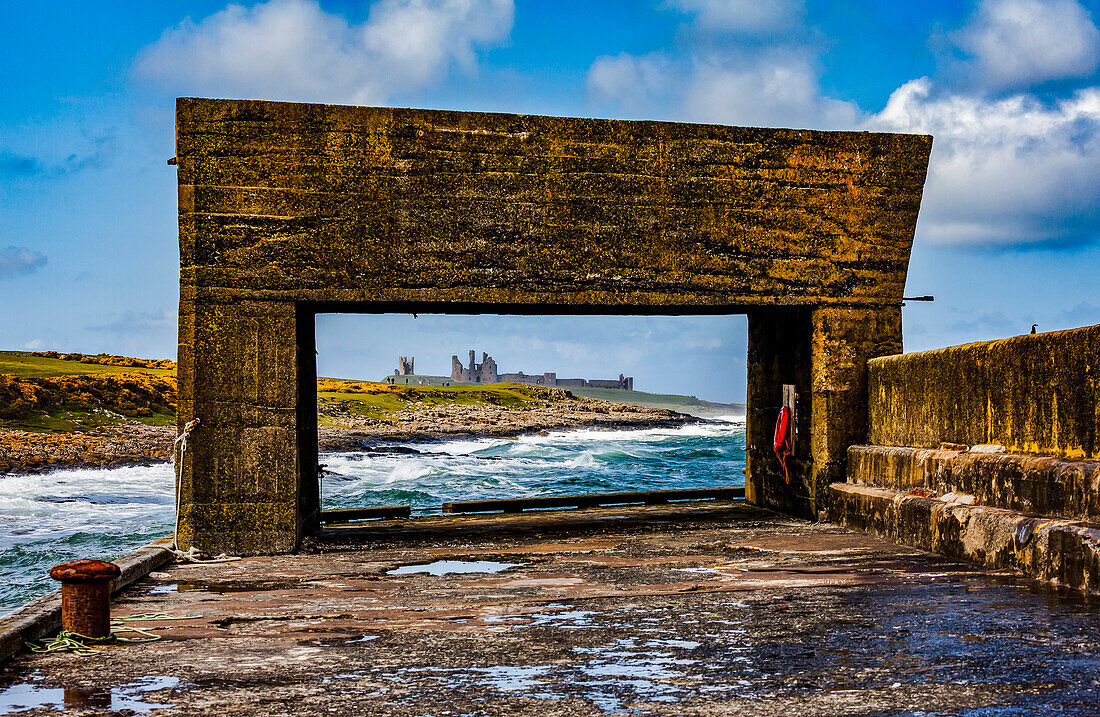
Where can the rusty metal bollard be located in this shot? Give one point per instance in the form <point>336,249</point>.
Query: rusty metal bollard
<point>86,595</point>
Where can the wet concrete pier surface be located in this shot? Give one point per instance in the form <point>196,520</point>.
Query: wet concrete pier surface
<point>664,610</point>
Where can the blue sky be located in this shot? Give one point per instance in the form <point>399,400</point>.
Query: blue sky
<point>1008,234</point>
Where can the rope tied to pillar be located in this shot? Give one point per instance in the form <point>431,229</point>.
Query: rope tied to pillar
<point>179,451</point>
<point>197,557</point>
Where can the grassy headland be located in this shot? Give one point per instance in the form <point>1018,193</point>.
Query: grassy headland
<point>45,391</point>
<point>72,409</point>
<point>371,400</point>
<point>674,402</point>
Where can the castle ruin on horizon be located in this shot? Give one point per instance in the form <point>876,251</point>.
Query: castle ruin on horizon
<point>487,372</point>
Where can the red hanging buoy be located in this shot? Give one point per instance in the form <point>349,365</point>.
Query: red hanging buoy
<point>782,441</point>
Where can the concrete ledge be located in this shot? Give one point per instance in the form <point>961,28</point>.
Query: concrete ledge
<point>40,617</point>
<point>444,528</point>
<point>1063,487</point>
<point>1058,551</point>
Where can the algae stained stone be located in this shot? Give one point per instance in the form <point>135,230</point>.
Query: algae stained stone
<point>289,209</point>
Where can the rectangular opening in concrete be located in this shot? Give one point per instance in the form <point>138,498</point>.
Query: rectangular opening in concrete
<point>430,410</point>
<point>287,210</point>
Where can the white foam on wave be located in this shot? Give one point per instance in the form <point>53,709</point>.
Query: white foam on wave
<point>579,460</point>
<point>732,418</point>
<point>153,481</point>
<point>585,459</point>
<point>534,443</point>
<point>462,446</point>
<point>407,472</point>
<point>645,435</point>
<point>111,502</point>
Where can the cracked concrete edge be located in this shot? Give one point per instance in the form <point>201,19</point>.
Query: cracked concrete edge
<point>1058,551</point>
<point>1042,485</point>
<point>42,616</point>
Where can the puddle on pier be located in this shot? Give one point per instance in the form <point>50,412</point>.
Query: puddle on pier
<point>554,615</point>
<point>26,696</point>
<point>455,567</point>
<point>615,677</point>
<point>842,651</point>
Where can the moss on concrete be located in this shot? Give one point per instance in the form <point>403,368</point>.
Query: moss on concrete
<point>1037,394</point>
<point>286,210</point>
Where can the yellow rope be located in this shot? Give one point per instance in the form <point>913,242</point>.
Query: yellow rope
<point>84,646</point>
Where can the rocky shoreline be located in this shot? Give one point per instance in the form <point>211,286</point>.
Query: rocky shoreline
<point>130,444</point>
<point>137,444</point>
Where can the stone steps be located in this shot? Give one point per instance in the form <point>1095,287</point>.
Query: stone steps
<point>1041,485</point>
<point>1061,551</point>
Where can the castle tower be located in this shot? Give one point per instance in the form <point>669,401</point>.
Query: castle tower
<point>489,373</point>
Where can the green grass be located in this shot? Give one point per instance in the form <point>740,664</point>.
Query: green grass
<point>25,365</point>
<point>389,400</point>
<point>358,398</point>
<point>671,401</point>
<point>63,421</point>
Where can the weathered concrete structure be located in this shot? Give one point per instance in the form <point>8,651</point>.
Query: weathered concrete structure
<point>1034,504</point>
<point>287,210</point>
<point>718,609</point>
<point>404,366</point>
<point>1037,393</point>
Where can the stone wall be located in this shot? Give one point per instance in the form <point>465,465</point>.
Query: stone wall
<point>929,478</point>
<point>1037,394</point>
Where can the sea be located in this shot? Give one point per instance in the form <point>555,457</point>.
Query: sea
<point>51,517</point>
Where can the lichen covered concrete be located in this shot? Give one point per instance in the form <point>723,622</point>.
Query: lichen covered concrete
<point>1065,552</point>
<point>1036,394</point>
<point>672,610</point>
<point>1036,485</point>
<point>289,209</point>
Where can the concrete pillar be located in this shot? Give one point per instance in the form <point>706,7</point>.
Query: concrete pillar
<point>241,476</point>
<point>823,353</point>
<point>843,340</point>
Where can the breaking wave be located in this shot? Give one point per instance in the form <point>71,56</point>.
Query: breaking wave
<point>702,455</point>
<point>51,517</point>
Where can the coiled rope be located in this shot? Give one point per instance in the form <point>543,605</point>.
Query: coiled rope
<point>84,646</point>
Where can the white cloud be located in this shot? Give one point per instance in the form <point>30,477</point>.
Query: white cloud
<point>779,88</point>
<point>630,81</point>
<point>20,261</point>
<point>776,87</point>
<point>34,345</point>
<point>1006,169</point>
<point>292,49</point>
<point>741,62</point>
<point>1019,43</point>
<point>1013,170</point>
<point>745,16</point>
